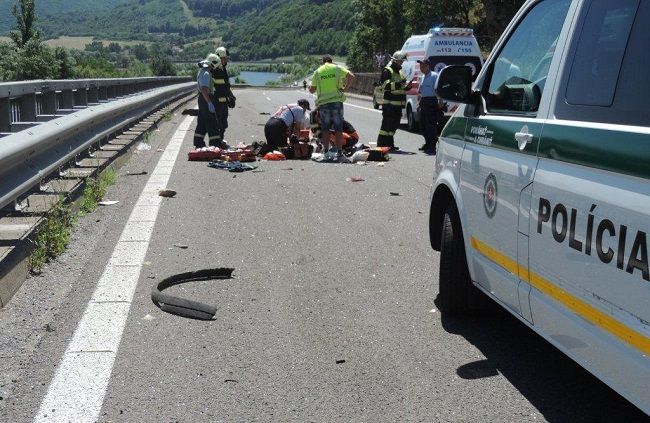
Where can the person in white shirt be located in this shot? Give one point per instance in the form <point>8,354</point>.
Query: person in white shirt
<point>428,105</point>
<point>286,121</point>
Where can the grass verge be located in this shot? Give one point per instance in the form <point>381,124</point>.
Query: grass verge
<point>53,237</point>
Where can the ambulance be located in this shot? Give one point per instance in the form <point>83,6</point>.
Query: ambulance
<point>541,191</point>
<point>443,47</point>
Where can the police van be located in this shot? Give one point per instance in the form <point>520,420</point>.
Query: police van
<point>541,193</point>
<point>443,47</point>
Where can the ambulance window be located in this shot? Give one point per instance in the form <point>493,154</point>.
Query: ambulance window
<point>600,51</point>
<point>518,74</point>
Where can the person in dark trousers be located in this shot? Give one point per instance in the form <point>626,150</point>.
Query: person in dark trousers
<point>207,118</point>
<point>429,107</point>
<point>286,121</point>
<point>395,87</point>
<point>304,84</point>
<point>223,96</point>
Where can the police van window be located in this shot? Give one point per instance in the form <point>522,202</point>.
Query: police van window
<point>599,53</point>
<point>518,74</point>
<point>608,82</point>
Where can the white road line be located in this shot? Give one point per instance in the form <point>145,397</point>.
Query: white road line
<point>76,393</point>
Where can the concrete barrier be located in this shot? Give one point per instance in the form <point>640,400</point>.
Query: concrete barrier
<point>363,83</point>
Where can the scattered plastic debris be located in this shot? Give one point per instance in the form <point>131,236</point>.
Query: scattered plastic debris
<point>108,203</point>
<point>148,317</point>
<point>360,156</point>
<point>340,361</point>
<point>355,179</point>
<point>144,172</point>
<point>168,193</point>
<point>181,246</point>
<point>143,147</point>
<point>395,194</point>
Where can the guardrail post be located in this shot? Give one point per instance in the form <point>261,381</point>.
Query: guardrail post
<point>67,99</point>
<point>93,95</point>
<point>111,91</point>
<point>28,108</point>
<point>103,94</point>
<point>49,102</point>
<point>81,97</point>
<point>5,114</point>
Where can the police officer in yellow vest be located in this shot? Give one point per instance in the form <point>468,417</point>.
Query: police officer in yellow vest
<point>329,82</point>
<point>395,87</point>
<point>223,96</point>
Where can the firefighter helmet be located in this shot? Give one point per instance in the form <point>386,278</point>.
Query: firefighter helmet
<point>222,52</point>
<point>399,55</point>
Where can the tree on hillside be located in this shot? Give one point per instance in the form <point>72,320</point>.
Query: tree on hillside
<point>162,66</point>
<point>25,20</point>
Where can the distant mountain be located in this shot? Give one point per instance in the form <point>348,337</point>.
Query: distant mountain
<point>53,8</point>
<point>252,29</point>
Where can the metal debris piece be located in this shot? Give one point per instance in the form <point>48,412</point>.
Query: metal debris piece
<point>169,193</point>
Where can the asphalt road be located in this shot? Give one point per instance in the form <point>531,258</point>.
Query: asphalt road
<point>330,315</point>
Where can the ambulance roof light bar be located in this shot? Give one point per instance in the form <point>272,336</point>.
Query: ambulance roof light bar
<point>439,29</point>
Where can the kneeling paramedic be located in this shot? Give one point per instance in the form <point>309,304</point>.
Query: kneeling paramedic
<point>288,120</point>
<point>207,118</point>
<point>394,85</point>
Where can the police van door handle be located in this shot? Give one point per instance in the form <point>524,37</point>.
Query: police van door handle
<point>523,137</point>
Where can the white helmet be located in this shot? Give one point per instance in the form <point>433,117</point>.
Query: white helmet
<point>222,52</point>
<point>399,55</point>
<point>212,59</point>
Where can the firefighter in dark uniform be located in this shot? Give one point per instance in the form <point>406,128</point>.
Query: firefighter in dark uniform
<point>395,87</point>
<point>223,96</point>
<point>207,118</point>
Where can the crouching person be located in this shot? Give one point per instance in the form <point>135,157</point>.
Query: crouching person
<point>286,121</point>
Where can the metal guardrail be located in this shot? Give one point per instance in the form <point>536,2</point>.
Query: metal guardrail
<point>28,103</point>
<point>30,156</point>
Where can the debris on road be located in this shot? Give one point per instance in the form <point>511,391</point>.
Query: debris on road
<point>181,246</point>
<point>395,194</point>
<point>143,147</point>
<point>168,193</point>
<point>143,172</point>
<point>148,317</point>
<point>187,308</point>
<point>108,203</point>
<point>355,179</point>
<point>235,166</point>
<point>340,361</point>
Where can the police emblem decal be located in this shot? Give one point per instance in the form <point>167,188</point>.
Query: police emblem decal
<point>490,192</point>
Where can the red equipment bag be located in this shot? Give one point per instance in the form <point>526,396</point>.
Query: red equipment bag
<point>247,155</point>
<point>204,154</point>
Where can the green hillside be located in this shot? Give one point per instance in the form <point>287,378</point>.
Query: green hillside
<point>54,7</point>
<point>251,29</point>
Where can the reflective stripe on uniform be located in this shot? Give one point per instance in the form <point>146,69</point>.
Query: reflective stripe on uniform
<point>386,133</point>
<point>219,81</point>
<point>197,135</point>
<point>215,137</point>
<point>222,99</point>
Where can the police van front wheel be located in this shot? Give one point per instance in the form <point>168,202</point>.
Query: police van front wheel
<point>457,294</point>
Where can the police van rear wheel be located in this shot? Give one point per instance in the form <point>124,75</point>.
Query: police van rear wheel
<point>457,294</point>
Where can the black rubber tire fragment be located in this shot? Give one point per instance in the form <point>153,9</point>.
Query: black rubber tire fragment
<point>183,307</point>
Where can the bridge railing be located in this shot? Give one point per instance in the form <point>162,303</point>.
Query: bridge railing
<point>26,104</point>
<point>29,157</point>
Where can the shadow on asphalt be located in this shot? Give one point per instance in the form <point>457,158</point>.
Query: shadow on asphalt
<point>554,384</point>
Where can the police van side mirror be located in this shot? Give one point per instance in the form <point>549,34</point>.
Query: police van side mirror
<point>455,84</point>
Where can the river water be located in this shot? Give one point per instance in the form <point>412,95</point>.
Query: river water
<point>258,79</point>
